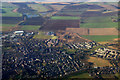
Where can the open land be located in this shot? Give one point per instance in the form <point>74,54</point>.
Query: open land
<point>30,27</point>
<point>99,62</point>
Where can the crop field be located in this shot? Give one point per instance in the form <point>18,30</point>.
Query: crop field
<point>99,62</point>
<point>8,10</point>
<point>94,31</point>
<point>38,7</point>
<point>103,31</point>
<point>7,27</point>
<point>99,22</point>
<point>53,25</point>
<point>11,20</point>
<point>30,27</point>
<point>33,21</point>
<point>80,10</point>
<point>100,38</point>
<point>64,18</point>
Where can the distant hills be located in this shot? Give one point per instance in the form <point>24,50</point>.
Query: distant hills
<point>60,0</point>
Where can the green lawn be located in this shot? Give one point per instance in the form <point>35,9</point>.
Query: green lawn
<point>99,22</point>
<point>38,7</point>
<point>83,75</point>
<point>30,27</point>
<point>100,38</point>
<point>8,8</point>
<point>64,18</point>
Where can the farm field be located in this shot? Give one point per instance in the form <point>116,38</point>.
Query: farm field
<point>98,22</point>
<point>11,20</point>
<point>30,28</point>
<point>8,10</point>
<point>34,21</point>
<point>99,62</point>
<point>54,25</point>
<point>6,27</point>
<point>100,38</point>
<point>38,7</point>
<point>64,18</point>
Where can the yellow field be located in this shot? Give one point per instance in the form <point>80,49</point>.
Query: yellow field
<point>99,62</point>
<point>93,10</point>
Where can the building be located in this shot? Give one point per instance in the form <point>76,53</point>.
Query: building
<point>18,32</point>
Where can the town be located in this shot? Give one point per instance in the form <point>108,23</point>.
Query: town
<point>26,57</point>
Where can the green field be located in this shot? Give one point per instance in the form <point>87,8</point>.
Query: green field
<point>100,38</point>
<point>82,75</point>
<point>30,27</point>
<point>6,27</point>
<point>42,35</point>
<point>38,7</point>
<point>99,22</point>
<point>8,8</point>
<point>64,18</point>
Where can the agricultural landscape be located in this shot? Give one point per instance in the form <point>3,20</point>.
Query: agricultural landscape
<point>61,40</point>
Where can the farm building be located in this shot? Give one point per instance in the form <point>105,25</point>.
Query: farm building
<point>19,32</point>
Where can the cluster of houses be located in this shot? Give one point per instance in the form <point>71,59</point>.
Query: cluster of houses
<point>83,45</point>
<point>106,53</point>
